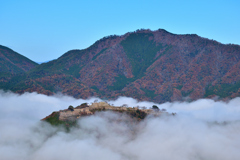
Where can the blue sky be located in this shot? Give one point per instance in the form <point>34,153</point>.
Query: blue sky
<point>43,30</point>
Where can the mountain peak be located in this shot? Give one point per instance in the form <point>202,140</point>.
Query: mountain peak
<point>147,65</point>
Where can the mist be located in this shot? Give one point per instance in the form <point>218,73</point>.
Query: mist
<point>201,130</point>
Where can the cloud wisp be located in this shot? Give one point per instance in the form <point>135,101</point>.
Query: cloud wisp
<point>202,129</point>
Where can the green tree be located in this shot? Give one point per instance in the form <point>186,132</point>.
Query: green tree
<point>71,108</point>
<point>155,107</point>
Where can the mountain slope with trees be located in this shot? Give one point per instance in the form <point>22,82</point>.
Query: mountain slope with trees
<point>147,65</point>
<point>13,67</point>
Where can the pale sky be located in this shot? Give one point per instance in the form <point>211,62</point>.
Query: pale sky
<point>43,30</point>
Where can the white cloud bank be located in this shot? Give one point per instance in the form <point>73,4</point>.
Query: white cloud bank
<point>201,130</point>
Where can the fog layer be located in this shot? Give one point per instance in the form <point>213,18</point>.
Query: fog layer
<point>201,130</point>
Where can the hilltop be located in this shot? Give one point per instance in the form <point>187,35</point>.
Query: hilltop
<point>147,65</point>
<point>68,117</point>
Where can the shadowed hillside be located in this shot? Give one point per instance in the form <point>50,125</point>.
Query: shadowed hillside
<point>13,67</point>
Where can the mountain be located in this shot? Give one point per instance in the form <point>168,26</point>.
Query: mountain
<point>147,65</point>
<point>13,64</point>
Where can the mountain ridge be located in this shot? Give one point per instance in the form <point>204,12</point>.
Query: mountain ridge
<point>13,64</point>
<point>147,65</point>
<point>21,63</point>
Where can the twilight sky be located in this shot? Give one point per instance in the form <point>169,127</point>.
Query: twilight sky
<point>43,30</point>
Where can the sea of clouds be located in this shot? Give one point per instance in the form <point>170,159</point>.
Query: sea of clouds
<point>201,130</point>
